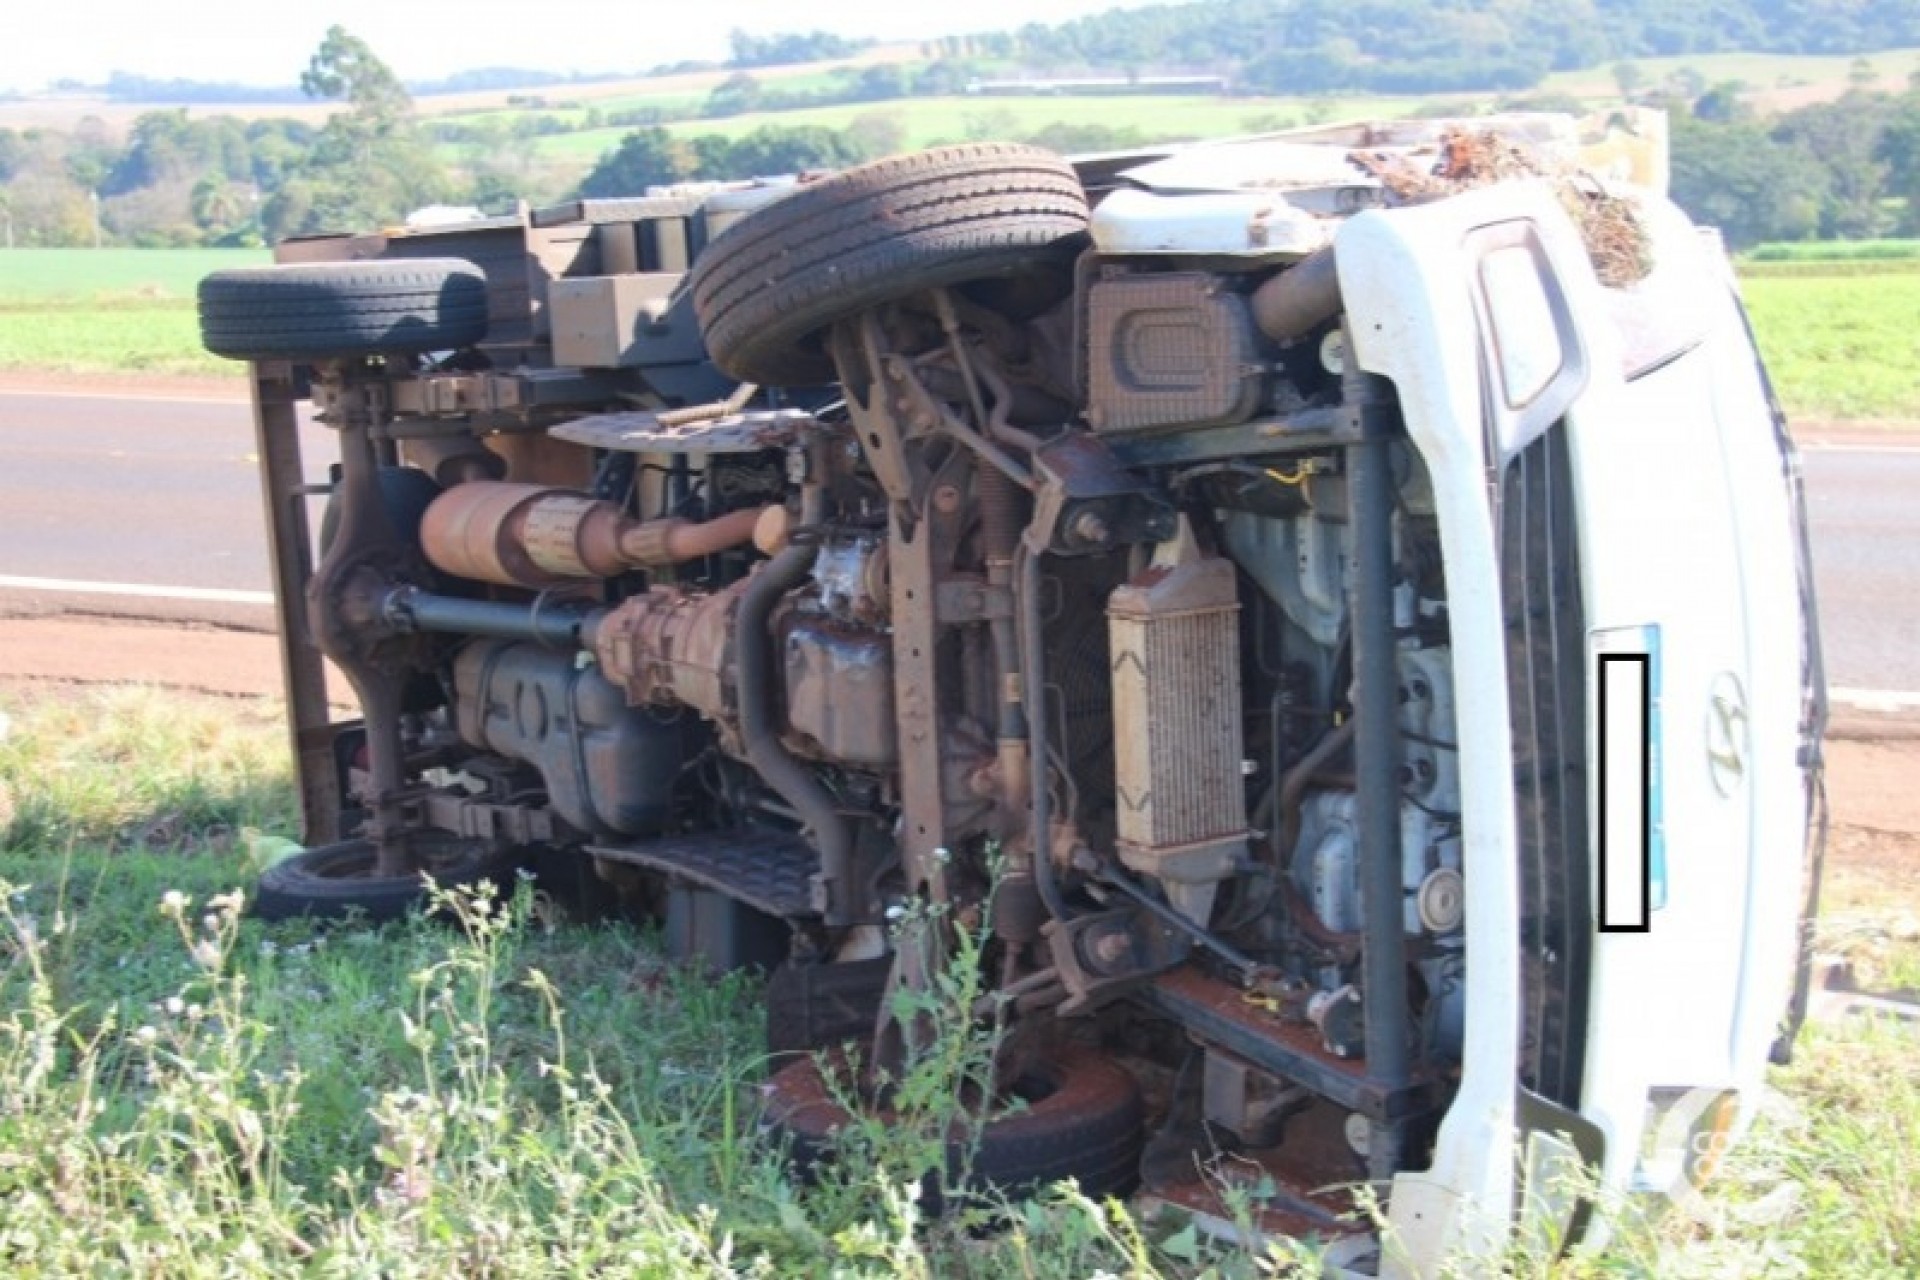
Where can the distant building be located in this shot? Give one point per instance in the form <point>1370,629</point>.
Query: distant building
<point>441,215</point>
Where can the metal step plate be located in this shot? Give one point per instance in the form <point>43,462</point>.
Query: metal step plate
<point>770,871</point>
<point>637,431</point>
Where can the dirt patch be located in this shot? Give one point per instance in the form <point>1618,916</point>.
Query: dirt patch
<point>1866,432</point>
<point>66,649</point>
<point>157,385</point>
<point>1871,787</point>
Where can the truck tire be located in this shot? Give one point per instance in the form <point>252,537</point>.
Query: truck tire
<point>1083,1119</point>
<point>336,881</point>
<point>322,310</point>
<point>767,286</point>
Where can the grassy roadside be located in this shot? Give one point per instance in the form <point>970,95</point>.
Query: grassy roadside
<point>184,1093</point>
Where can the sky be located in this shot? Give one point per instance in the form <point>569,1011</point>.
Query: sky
<point>268,42</point>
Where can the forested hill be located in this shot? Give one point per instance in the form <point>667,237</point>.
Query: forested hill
<point>1426,46</point>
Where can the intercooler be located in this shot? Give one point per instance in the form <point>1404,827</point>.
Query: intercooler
<point>1177,732</point>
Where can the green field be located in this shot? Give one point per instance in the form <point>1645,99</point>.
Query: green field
<point>1775,79</point>
<point>1832,251</point>
<point>109,310</point>
<point>121,274</point>
<point>1841,343</point>
<point>926,121</point>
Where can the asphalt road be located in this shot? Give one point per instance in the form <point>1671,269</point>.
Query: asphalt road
<point>134,490</point>
<point>1863,503</point>
<point>164,492</point>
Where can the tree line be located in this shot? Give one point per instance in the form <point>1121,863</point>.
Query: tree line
<point>1433,46</point>
<point>1845,169</point>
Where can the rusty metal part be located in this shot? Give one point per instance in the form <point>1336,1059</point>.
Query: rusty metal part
<point>472,818</point>
<point>528,536</point>
<point>670,646</point>
<point>773,531</point>
<point>289,547</point>
<point>1303,1187</point>
<point>1299,299</point>
<point>534,457</point>
<point>839,688</point>
<point>1000,522</point>
<point>367,558</point>
<point>880,413</point>
<point>1219,1013</point>
<point>1085,501</point>
<point>1000,426</point>
<point>1180,924</point>
<point>1102,956</point>
<point>452,460</point>
<point>672,418</point>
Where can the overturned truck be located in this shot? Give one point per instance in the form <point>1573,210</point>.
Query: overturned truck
<point>1341,638</point>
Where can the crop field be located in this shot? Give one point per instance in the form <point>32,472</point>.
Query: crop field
<point>109,310</point>
<point>190,1092</point>
<point>1841,340</point>
<point>925,121</point>
<point>1829,251</point>
<point>1773,81</point>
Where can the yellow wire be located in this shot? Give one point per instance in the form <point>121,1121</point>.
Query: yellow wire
<point>1299,476</point>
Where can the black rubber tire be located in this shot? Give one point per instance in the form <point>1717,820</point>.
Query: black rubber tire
<point>1084,1121</point>
<point>322,310</point>
<point>336,881</point>
<point>767,286</point>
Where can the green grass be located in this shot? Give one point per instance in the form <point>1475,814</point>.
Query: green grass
<point>1834,251</point>
<point>1841,342</point>
<point>109,310</point>
<point>184,1092</point>
<point>139,275</point>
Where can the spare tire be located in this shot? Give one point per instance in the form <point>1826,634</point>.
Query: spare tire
<point>339,881</point>
<point>1083,1119</point>
<point>767,286</point>
<point>322,310</point>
